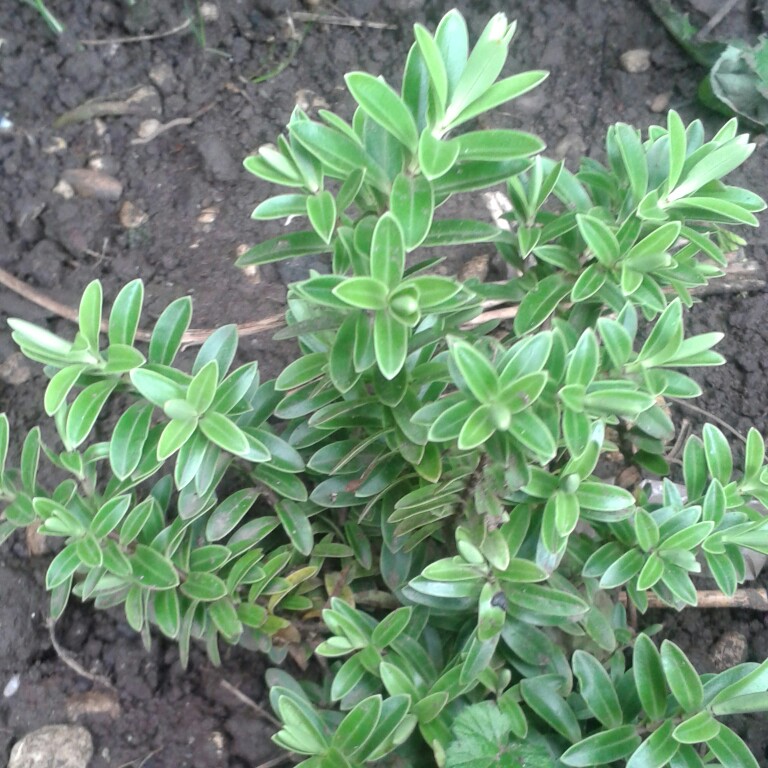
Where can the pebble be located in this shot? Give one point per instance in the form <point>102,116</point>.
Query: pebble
<point>731,649</point>
<point>89,183</point>
<point>660,103</point>
<point>54,746</point>
<point>94,703</point>
<point>15,370</point>
<point>64,189</point>
<point>131,216</point>
<point>217,159</point>
<point>635,61</point>
<point>12,686</point>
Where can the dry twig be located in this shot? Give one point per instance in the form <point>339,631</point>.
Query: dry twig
<point>716,18</point>
<point>139,38</point>
<point>72,663</point>
<point>755,599</point>
<point>249,702</point>
<point>339,21</point>
<point>702,411</point>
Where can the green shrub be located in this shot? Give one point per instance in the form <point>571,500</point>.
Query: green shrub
<point>423,488</point>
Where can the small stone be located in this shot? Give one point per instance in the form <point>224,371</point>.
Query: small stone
<point>731,649</point>
<point>209,12</point>
<point>57,145</point>
<point>64,189</point>
<point>37,544</point>
<point>629,478</point>
<point>14,370</point>
<point>208,215</point>
<point>148,128</point>
<point>162,76</point>
<point>660,102</point>
<point>55,746</point>
<point>94,703</point>
<point>131,216</point>
<point>476,267</point>
<point>89,183</point>
<point>635,61</point>
<point>217,159</point>
<point>12,686</point>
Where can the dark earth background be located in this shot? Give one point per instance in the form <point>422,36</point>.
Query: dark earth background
<point>189,209</point>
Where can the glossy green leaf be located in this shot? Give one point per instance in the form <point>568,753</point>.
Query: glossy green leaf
<point>86,409</point>
<point>544,699</point>
<point>390,341</point>
<point>657,750</point>
<point>700,728</point>
<point>412,203</point>
<point>89,314</point>
<point>384,106</point>
<point>152,569</point>
<point>596,689</point>
<point>321,210</point>
<point>682,678</point>
<point>125,313</point>
<point>289,245</point>
<point>222,431</point>
<point>603,747</point>
<point>169,330</point>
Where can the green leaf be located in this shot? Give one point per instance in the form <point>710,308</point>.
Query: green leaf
<point>384,106</point>
<point>153,570</point>
<point>434,290</point>
<point>391,627</point>
<point>169,330</point>
<point>89,315</point>
<point>657,750</point>
<point>436,157</point>
<point>220,346</point>
<point>603,747</point>
<point>533,434</point>
<point>155,387</point>
<point>228,515</point>
<point>204,587</point>
<point>599,238</point>
<point>280,207</point>
<point>682,678</point>
<point>62,567</point>
<point>459,232</point>
<point>128,439</point>
<point>167,612</point>
<point>174,436</point>
<point>717,453</point>
<point>354,731</point>
<point>286,246</point>
<point>412,203</point>
<point>109,516</point>
<point>452,39</point>
<point>296,524</point>
<point>433,61</point>
<point>677,147</point>
<point>390,341</point>
<point>478,373</point>
<point>387,254</point>
<point>125,313</point>
<point>477,428</point>
<point>752,702</point>
<point>540,303</point>
<point>362,292</point>
<point>86,409</point>
<point>500,93</point>
<point>714,165</point>
<point>492,145</point>
<point>641,256</point>
<point>700,728</point>
<point>321,209</point>
<point>622,570</point>
<point>222,431</point>
<point>542,697</point>
<point>60,386</point>
<point>730,750</point>
<point>633,157</point>
<point>596,689</point>
<point>202,388</point>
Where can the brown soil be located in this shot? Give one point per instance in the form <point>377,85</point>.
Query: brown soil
<point>197,199</point>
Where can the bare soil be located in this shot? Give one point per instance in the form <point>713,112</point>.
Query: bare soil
<point>231,84</point>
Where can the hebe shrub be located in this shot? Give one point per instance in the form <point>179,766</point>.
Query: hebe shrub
<point>423,497</point>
